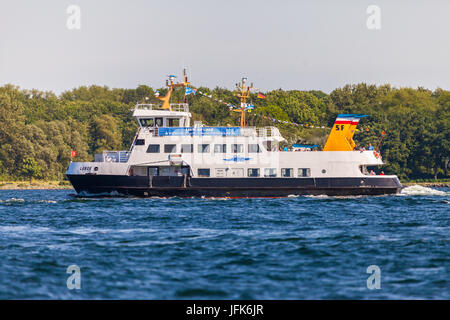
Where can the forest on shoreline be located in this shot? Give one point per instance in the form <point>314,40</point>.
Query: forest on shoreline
<point>38,130</point>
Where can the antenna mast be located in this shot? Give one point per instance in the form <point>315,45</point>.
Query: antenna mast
<point>243,95</point>
<point>170,83</point>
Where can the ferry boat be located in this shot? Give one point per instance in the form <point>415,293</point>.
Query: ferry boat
<point>169,157</point>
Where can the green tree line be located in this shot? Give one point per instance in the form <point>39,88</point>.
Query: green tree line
<point>38,130</point>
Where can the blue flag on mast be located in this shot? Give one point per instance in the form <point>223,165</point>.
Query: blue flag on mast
<point>189,90</point>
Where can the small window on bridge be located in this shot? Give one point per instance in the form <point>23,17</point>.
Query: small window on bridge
<point>150,122</point>
<point>173,122</point>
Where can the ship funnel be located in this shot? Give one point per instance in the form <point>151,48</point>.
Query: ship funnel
<point>341,135</point>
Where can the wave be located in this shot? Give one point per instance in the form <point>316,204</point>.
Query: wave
<point>20,200</point>
<point>417,190</point>
<point>319,196</point>
<point>25,229</point>
<point>85,194</point>
<point>13,200</point>
<point>88,230</point>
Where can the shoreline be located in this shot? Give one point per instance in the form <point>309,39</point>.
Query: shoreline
<point>427,184</point>
<point>35,185</point>
<point>65,185</point>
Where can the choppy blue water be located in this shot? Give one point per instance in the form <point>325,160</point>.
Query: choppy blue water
<point>291,248</point>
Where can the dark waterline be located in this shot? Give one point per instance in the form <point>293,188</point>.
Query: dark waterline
<point>288,248</point>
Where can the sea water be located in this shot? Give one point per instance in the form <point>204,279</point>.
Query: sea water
<point>56,246</point>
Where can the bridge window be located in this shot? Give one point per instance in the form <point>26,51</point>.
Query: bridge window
<point>304,172</point>
<point>287,172</point>
<point>220,148</point>
<point>159,122</point>
<point>254,148</point>
<point>187,148</point>
<point>203,173</point>
<point>173,122</point>
<point>270,172</point>
<point>153,148</point>
<point>170,148</point>
<point>203,148</point>
<point>252,172</point>
<point>150,122</point>
<point>237,148</point>
<point>139,142</point>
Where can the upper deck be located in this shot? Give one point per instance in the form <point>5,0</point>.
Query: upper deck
<point>158,122</point>
<point>176,107</point>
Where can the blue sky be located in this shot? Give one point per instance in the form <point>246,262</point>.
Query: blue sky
<point>276,44</point>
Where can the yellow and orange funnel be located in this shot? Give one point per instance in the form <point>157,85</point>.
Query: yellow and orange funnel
<point>341,135</point>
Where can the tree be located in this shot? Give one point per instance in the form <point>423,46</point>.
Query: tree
<point>42,126</point>
<point>106,134</point>
<point>30,169</point>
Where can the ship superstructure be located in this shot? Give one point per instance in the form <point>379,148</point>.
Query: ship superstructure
<point>169,157</point>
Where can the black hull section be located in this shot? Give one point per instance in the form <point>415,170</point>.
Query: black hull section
<point>109,185</point>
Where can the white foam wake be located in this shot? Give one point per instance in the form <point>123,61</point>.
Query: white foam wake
<point>417,190</point>
<point>13,200</point>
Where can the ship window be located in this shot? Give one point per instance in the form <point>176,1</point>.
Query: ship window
<point>253,172</point>
<point>173,122</point>
<point>270,172</point>
<point>153,148</point>
<point>237,172</point>
<point>270,145</point>
<point>153,171</point>
<point>147,122</point>
<point>170,148</point>
<point>139,142</point>
<point>203,148</point>
<point>304,172</point>
<point>203,173</point>
<point>237,148</point>
<point>287,172</point>
<point>254,148</point>
<point>220,148</point>
<point>159,122</point>
<point>187,148</point>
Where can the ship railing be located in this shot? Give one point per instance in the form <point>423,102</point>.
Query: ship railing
<point>245,132</point>
<point>179,107</point>
<point>261,132</point>
<point>112,156</point>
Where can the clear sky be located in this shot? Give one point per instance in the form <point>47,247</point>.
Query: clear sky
<point>321,44</point>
